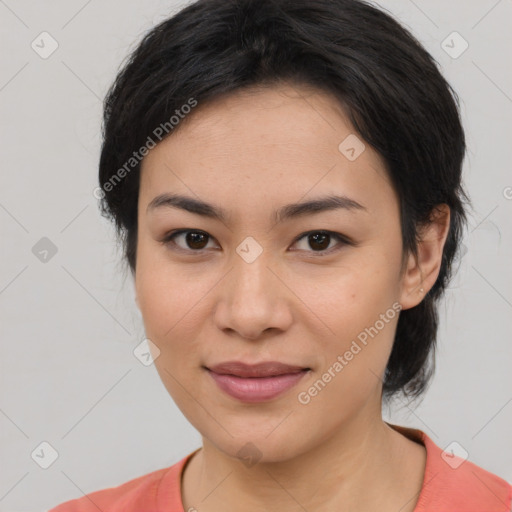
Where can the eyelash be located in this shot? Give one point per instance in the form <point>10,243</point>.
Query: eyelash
<point>169,240</point>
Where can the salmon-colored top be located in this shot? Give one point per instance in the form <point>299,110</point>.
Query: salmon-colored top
<point>450,484</point>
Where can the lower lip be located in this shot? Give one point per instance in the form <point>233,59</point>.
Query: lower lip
<point>256,389</point>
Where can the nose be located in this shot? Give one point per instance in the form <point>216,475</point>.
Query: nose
<point>253,300</point>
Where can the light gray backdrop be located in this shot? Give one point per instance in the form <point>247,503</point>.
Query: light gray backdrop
<point>69,323</point>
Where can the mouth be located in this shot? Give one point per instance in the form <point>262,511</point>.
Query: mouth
<point>256,383</point>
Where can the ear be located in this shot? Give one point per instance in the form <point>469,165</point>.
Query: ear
<point>421,272</point>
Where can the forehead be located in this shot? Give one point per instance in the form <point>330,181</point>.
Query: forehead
<point>263,143</point>
<point>284,115</point>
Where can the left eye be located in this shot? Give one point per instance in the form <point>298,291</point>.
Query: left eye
<point>320,240</point>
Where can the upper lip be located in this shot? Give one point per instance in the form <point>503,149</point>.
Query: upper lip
<point>265,369</point>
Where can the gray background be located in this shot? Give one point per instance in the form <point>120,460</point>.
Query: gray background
<point>69,324</point>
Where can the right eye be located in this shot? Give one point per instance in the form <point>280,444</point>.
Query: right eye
<point>193,240</point>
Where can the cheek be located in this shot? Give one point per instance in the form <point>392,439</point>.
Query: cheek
<point>350,297</point>
<point>165,295</point>
<point>170,315</point>
<point>173,315</point>
<point>171,323</point>
<point>358,310</point>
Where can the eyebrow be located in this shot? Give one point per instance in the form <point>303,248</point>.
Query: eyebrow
<point>293,210</point>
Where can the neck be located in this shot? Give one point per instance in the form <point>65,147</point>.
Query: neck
<point>364,465</point>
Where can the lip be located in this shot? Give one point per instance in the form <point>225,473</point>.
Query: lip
<point>258,382</point>
<point>264,369</point>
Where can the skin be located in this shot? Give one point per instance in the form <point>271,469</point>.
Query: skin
<point>251,153</point>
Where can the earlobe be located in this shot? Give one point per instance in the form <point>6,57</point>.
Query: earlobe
<point>422,270</point>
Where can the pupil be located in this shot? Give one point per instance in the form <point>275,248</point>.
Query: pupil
<point>194,238</point>
<point>323,238</point>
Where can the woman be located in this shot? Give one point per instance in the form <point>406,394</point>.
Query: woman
<point>286,180</point>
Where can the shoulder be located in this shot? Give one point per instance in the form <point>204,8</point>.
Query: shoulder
<point>467,487</point>
<point>141,493</point>
<point>127,496</point>
<point>455,483</point>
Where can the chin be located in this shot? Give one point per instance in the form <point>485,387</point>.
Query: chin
<point>253,446</point>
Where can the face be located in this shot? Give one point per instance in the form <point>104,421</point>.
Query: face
<point>316,288</point>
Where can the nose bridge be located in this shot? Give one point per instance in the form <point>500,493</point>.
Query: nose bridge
<point>251,276</point>
<point>251,301</point>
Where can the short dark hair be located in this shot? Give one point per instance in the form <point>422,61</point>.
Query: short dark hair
<point>389,85</point>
